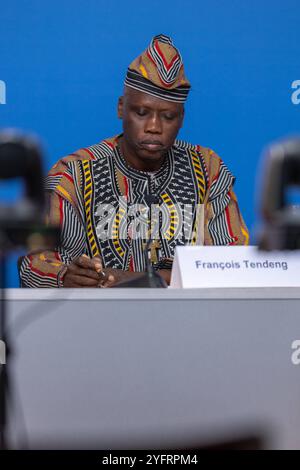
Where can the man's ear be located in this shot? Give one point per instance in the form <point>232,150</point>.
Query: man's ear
<point>120,107</point>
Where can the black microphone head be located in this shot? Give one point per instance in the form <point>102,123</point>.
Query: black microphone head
<point>22,223</point>
<point>19,154</point>
<point>20,158</point>
<point>281,219</point>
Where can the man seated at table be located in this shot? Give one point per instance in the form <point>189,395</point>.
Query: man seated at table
<point>110,198</point>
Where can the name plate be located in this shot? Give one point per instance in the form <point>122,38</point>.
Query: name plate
<point>234,266</point>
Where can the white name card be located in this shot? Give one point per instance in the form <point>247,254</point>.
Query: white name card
<point>234,266</point>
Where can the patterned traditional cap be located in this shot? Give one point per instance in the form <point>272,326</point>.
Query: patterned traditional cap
<point>159,71</point>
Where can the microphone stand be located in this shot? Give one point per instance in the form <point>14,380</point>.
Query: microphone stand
<point>13,233</point>
<point>152,278</point>
<point>20,158</point>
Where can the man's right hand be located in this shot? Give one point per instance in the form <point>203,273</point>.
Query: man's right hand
<point>84,272</point>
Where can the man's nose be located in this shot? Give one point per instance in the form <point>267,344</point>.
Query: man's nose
<point>153,124</point>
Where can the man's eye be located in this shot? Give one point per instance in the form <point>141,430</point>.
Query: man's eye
<point>140,112</point>
<point>169,117</point>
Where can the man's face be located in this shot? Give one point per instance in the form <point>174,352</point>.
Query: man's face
<point>150,126</point>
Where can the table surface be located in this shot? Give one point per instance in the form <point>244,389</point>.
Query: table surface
<point>143,293</point>
<point>154,368</point>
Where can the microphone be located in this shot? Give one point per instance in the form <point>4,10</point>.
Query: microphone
<point>151,278</point>
<point>20,157</point>
<point>22,222</point>
<point>281,218</point>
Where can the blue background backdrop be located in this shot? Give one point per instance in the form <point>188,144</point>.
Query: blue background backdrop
<point>63,63</point>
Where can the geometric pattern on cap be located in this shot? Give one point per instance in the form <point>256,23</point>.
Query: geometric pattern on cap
<point>167,61</point>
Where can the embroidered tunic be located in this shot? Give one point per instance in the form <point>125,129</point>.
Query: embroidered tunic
<point>103,208</point>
